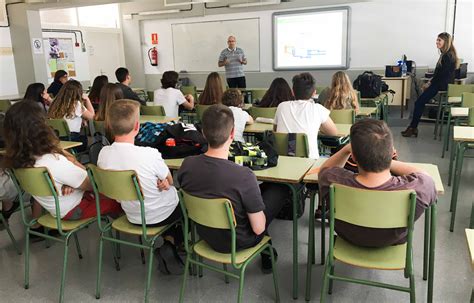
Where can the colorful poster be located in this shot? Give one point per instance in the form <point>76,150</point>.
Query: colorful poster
<point>60,55</point>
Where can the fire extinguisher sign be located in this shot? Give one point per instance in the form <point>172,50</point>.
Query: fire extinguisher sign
<point>154,38</point>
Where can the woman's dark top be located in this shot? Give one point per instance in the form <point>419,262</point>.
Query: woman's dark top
<point>444,72</point>
<point>54,88</point>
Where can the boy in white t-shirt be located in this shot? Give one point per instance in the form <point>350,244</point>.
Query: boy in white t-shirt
<point>170,97</point>
<point>234,100</point>
<point>161,201</point>
<point>304,115</point>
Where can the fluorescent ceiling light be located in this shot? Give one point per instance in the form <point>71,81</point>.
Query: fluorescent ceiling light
<point>250,4</point>
<point>169,11</point>
<point>191,2</point>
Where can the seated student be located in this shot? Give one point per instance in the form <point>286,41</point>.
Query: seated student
<point>170,97</point>
<point>36,92</point>
<point>30,142</point>
<point>213,90</point>
<point>109,94</point>
<point>278,92</point>
<point>124,79</point>
<point>229,180</point>
<point>234,100</point>
<point>97,85</point>
<point>341,94</point>
<point>372,149</point>
<point>160,196</point>
<point>303,115</point>
<point>60,77</point>
<point>73,106</point>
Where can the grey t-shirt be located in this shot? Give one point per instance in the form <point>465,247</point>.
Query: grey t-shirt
<point>421,183</point>
<point>210,178</point>
<point>234,68</point>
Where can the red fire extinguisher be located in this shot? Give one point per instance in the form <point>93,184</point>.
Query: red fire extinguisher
<point>153,56</point>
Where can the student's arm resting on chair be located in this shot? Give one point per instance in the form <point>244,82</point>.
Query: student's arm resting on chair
<point>401,169</point>
<point>328,127</point>
<point>257,221</point>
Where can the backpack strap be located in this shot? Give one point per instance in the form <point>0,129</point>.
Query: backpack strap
<point>291,144</point>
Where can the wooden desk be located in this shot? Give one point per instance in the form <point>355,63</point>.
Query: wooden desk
<point>454,100</point>
<point>258,128</point>
<point>429,237</point>
<point>366,111</point>
<point>157,119</point>
<point>289,171</point>
<point>402,88</point>
<point>470,244</point>
<point>459,111</point>
<point>463,134</point>
<point>63,144</point>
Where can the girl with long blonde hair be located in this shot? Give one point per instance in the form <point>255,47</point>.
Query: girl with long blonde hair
<point>342,95</point>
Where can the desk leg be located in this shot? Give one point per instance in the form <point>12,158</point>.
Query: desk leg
<point>310,259</point>
<point>457,180</point>
<point>323,231</point>
<point>426,246</point>
<point>432,252</point>
<point>295,241</point>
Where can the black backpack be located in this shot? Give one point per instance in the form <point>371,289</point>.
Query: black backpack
<point>181,140</point>
<point>369,84</point>
<point>267,145</point>
<point>94,149</point>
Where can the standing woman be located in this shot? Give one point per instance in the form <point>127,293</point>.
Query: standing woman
<point>60,77</point>
<point>97,85</point>
<point>36,92</point>
<point>443,75</point>
<point>213,91</point>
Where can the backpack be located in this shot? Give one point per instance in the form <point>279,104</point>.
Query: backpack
<point>369,84</point>
<point>149,132</point>
<point>248,154</point>
<point>280,194</point>
<point>94,149</point>
<point>267,145</point>
<point>181,140</point>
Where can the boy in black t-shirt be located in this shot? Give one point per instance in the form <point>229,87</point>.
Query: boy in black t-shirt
<point>211,176</point>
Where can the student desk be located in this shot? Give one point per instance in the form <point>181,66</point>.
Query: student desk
<point>63,144</point>
<point>430,228</point>
<point>464,138</point>
<point>470,245</point>
<point>380,102</point>
<point>289,171</point>
<point>456,113</point>
<point>343,130</point>
<point>366,112</point>
<point>157,119</point>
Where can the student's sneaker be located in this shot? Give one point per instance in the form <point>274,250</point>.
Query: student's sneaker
<point>318,215</point>
<point>169,262</point>
<point>267,261</point>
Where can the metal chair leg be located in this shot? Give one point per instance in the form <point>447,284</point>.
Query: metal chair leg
<point>78,247</point>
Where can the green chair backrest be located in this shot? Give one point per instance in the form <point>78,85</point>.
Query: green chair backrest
<point>5,105</point>
<point>59,125</point>
<point>264,112</point>
<point>467,99</point>
<point>99,126</point>
<point>280,143</point>
<point>470,119</point>
<point>257,94</point>
<point>36,181</point>
<point>456,90</point>
<point>342,116</point>
<point>319,89</point>
<point>118,185</point>
<point>155,110</point>
<point>151,96</point>
<point>372,208</point>
<point>200,109</point>
<point>189,90</point>
<point>213,213</point>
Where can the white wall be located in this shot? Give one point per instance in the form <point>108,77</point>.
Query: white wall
<point>8,84</point>
<point>380,33</point>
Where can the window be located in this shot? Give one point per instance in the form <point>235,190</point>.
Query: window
<point>103,16</point>
<point>65,16</point>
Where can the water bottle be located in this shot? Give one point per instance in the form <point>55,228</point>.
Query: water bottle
<point>404,68</point>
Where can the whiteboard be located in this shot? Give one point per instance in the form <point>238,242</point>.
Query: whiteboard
<point>197,46</point>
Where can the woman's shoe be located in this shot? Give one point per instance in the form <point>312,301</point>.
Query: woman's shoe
<point>410,132</point>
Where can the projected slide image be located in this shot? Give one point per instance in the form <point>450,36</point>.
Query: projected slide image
<point>310,40</point>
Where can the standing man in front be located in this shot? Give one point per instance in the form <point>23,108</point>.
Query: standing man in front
<point>232,58</point>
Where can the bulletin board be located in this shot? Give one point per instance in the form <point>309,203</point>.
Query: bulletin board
<point>59,54</point>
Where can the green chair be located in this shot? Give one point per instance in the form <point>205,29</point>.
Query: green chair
<point>60,127</point>
<point>372,209</point>
<point>218,213</point>
<point>123,186</point>
<point>37,181</point>
<point>5,105</point>
<point>155,110</point>
<point>200,109</point>
<point>457,158</point>
<point>467,100</point>
<point>264,112</point>
<point>257,94</point>
<point>343,116</point>
<point>280,143</point>
<point>190,90</point>
<point>151,96</point>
